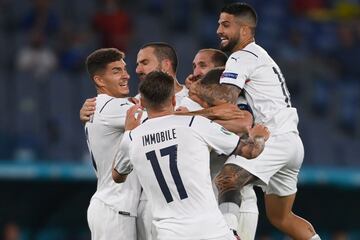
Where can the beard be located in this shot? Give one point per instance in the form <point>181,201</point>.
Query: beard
<point>229,47</point>
<point>142,75</point>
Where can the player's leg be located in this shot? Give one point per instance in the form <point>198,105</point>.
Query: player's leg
<point>230,180</point>
<point>249,213</point>
<point>279,213</point>
<point>274,157</point>
<point>247,225</point>
<point>281,190</point>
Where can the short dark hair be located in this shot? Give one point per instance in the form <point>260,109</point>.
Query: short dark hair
<point>212,76</point>
<point>164,51</point>
<point>157,88</point>
<point>244,10</point>
<point>218,57</point>
<point>100,58</point>
<point>212,91</point>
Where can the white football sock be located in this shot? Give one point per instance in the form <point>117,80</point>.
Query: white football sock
<point>230,212</point>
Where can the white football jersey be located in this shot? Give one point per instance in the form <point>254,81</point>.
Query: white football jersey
<point>170,155</point>
<point>104,133</point>
<point>249,200</point>
<point>184,92</point>
<point>190,104</point>
<point>254,71</point>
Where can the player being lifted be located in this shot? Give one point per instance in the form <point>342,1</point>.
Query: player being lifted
<point>251,70</point>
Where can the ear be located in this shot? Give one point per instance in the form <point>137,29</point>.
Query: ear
<point>204,104</point>
<point>142,102</point>
<point>166,65</point>
<point>245,31</point>
<point>99,81</point>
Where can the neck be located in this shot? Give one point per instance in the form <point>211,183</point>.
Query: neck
<point>178,86</point>
<point>196,99</point>
<point>159,113</point>
<point>243,44</point>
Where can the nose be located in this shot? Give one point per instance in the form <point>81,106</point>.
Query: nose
<point>219,30</point>
<point>126,75</point>
<point>138,69</point>
<point>197,72</point>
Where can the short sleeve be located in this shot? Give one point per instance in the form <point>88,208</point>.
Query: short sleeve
<point>238,69</point>
<point>243,105</point>
<point>215,135</point>
<point>122,158</point>
<point>113,113</point>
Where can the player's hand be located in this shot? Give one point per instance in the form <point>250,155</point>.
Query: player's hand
<point>259,131</point>
<point>134,100</point>
<point>190,80</point>
<point>87,110</point>
<point>133,117</point>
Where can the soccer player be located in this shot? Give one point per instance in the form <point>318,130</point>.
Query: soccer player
<point>160,56</point>
<point>170,155</point>
<point>251,70</point>
<point>113,207</point>
<point>204,61</point>
<point>153,56</point>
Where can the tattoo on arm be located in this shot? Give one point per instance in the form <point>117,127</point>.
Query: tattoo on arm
<point>230,180</point>
<point>250,148</point>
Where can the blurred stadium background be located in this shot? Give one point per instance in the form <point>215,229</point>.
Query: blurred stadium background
<point>46,179</point>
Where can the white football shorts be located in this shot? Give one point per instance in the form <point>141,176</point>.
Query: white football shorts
<point>277,166</point>
<point>145,228</point>
<point>105,223</point>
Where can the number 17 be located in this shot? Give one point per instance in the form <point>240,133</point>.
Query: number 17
<point>172,152</point>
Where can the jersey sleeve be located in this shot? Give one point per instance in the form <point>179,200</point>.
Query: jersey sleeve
<point>238,69</point>
<point>216,136</point>
<point>243,104</point>
<point>113,114</point>
<point>122,158</point>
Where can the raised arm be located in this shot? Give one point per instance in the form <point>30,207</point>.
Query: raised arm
<point>225,111</point>
<point>121,165</point>
<point>238,126</point>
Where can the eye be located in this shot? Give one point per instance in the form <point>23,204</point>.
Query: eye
<point>202,65</point>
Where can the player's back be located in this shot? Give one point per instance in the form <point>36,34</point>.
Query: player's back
<point>171,157</point>
<point>104,133</point>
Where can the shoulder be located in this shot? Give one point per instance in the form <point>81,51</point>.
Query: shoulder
<point>242,58</point>
<point>111,105</point>
<point>183,93</point>
<point>199,122</point>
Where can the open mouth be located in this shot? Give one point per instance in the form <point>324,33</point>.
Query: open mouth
<point>224,40</point>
